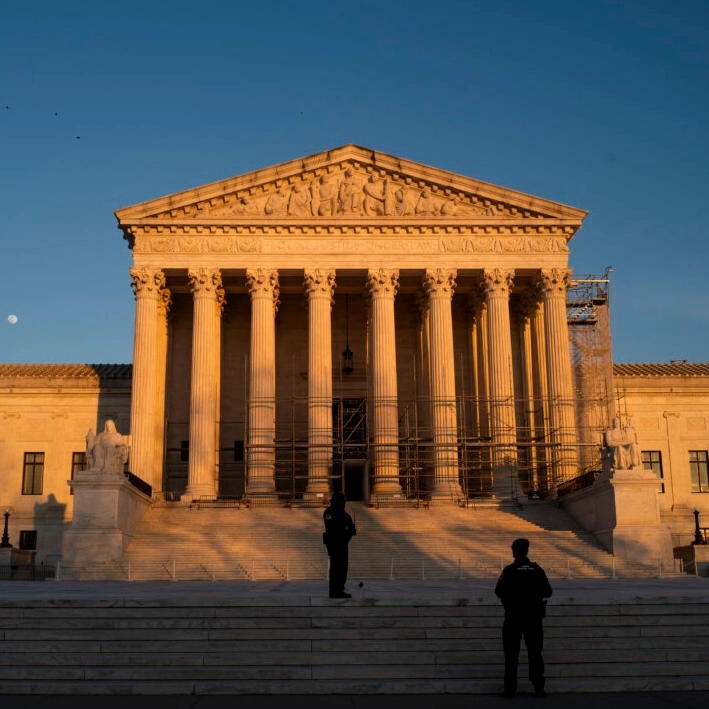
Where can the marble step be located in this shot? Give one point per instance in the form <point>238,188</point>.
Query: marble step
<point>316,646</point>
<point>342,686</point>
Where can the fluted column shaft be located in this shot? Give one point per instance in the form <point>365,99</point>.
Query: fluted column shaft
<point>541,397</point>
<point>524,309</point>
<point>148,285</point>
<point>319,285</point>
<point>208,297</point>
<point>382,285</point>
<point>479,363</point>
<point>263,287</point>
<point>439,286</point>
<point>160,402</point>
<point>497,284</point>
<point>553,284</point>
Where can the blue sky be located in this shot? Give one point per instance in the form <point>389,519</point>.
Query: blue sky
<point>598,104</point>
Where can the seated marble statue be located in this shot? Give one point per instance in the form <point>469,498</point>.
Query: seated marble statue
<point>106,452</point>
<point>622,446</point>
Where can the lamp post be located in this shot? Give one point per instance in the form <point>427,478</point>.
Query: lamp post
<point>698,538</point>
<point>347,356</point>
<point>5,543</point>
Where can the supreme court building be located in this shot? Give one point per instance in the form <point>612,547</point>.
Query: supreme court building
<point>351,319</point>
<point>355,321</point>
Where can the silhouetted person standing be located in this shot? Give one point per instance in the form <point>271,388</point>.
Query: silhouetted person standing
<point>339,529</point>
<point>523,587</point>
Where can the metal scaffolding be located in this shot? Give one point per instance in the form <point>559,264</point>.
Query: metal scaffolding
<point>533,461</point>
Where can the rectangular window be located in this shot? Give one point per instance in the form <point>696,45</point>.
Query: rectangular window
<point>184,451</point>
<point>652,460</point>
<point>699,470</point>
<point>28,539</point>
<point>33,474</point>
<point>239,451</point>
<point>78,463</point>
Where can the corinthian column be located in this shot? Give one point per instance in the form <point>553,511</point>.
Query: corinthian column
<point>148,285</point>
<point>382,285</point>
<point>264,289</point>
<point>208,295</point>
<point>497,284</point>
<point>523,308</point>
<point>161,362</point>
<point>553,284</point>
<point>319,286</point>
<point>439,285</point>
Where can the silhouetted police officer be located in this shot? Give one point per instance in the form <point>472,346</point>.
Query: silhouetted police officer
<point>522,587</point>
<point>339,529</point>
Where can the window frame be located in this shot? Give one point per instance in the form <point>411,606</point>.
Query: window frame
<point>33,473</point>
<point>652,461</point>
<point>699,471</point>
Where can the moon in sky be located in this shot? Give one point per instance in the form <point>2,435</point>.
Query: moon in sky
<point>12,319</point>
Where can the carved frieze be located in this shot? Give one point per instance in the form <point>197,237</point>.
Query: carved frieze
<point>379,241</point>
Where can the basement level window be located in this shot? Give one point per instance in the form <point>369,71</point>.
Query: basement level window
<point>28,539</point>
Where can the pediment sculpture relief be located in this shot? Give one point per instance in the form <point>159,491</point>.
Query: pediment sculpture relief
<point>349,193</point>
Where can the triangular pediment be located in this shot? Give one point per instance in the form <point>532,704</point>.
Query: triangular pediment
<point>348,184</point>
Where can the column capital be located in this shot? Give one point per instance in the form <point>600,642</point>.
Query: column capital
<point>206,283</point>
<point>475,304</point>
<point>439,282</point>
<point>382,281</point>
<point>319,281</point>
<point>263,282</point>
<point>525,304</point>
<point>147,282</point>
<point>553,281</point>
<point>165,301</point>
<point>497,281</point>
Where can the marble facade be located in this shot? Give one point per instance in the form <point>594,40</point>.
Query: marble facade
<point>227,275</point>
<point>451,295</point>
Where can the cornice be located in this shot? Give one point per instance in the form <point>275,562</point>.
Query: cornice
<point>360,227</point>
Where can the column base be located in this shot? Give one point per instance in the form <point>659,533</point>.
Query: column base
<point>323,497</point>
<point>442,491</point>
<point>194,492</point>
<point>387,489</point>
<point>260,488</point>
<point>317,489</point>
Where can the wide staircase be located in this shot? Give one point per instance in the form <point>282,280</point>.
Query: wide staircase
<point>179,543</point>
<point>286,644</point>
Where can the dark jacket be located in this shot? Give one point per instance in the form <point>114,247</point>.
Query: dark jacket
<point>522,588</point>
<point>339,527</point>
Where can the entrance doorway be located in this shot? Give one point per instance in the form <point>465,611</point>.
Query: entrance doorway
<point>350,456</point>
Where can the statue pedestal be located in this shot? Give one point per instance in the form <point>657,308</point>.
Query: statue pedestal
<point>622,510</point>
<point>107,509</point>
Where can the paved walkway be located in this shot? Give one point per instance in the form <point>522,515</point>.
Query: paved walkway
<point>566,591</point>
<point>600,700</point>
